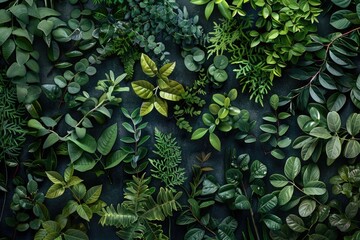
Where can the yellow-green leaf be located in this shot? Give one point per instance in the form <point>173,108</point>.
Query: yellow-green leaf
<point>55,191</point>
<point>148,66</point>
<point>146,107</point>
<point>143,89</point>
<point>167,69</point>
<point>161,106</point>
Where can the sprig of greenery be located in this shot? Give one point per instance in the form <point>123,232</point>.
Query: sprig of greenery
<point>167,167</point>
<point>136,216</point>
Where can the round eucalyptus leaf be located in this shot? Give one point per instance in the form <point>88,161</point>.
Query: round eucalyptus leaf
<point>190,64</point>
<point>220,75</point>
<point>73,88</point>
<point>221,62</point>
<point>199,55</point>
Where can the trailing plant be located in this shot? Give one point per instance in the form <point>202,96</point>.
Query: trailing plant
<point>167,167</point>
<point>301,187</point>
<point>82,148</point>
<point>192,102</point>
<point>12,134</point>
<point>27,205</point>
<point>224,117</point>
<point>136,217</point>
<point>166,89</point>
<point>273,130</point>
<point>324,133</point>
<point>137,152</point>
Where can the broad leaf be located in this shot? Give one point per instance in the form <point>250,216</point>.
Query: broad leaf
<point>148,66</point>
<point>107,139</point>
<point>307,207</point>
<point>295,223</point>
<point>292,167</point>
<point>143,89</point>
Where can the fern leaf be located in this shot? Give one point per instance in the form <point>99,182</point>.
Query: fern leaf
<point>120,217</point>
<point>135,231</point>
<point>164,207</point>
<point>154,232</point>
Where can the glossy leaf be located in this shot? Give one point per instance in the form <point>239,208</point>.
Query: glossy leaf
<point>295,223</point>
<point>148,66</point>
<point>107,139</point>
<point>292,167</point>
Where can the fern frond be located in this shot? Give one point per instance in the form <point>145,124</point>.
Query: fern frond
<point>135,231</point>
<point>119,217</point>
<point>154,232</point>
<point>166,203</point>
<point>137,192</point>
<point>167,167</point>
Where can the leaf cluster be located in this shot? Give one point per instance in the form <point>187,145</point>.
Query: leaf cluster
<point>324,132</point>
<point>167,167</point>
<point>166,89</point>
<point>136,152</point>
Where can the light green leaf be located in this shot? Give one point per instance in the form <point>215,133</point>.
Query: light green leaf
<point>315,188</point>
<point>148,66</point>
<point>352,149</point>
<point>56,190</point>
<point>274,101</point>
<point>115,159</point>
<point>146,107</point>
<point>167,69</point>
<point>16,70</point>
<point>161,106</point>
<point>143,89</point>
<point>93,194</point>
<point>199,133</point>
<point>215,141</point>
<point>338,19</point>
<point>55,177</point>
<point>272,221</point>
<point>84,212</point>
<point>107,139</point>
<point>75,234</point>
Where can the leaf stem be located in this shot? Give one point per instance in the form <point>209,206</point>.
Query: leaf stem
<point>252,215</point>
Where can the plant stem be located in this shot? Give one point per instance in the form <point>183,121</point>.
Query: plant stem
<point>5,193</point>
<point>252,215</point>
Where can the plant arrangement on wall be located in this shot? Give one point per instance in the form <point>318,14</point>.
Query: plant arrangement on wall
<point>256,133</point>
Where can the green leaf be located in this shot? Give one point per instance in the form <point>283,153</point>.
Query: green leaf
<point>285,195</point>
<point>209,9</point>
<point>315,188</point>
<point>307,207</point>
<point>75,234</point>
<point>115,159</point>
<point>342,3</point>
<point>143,89</point>
<point>173,91</point>
<point>320,132</point>
<point>107,139</point>
<point>93,194</point>
<point>272,221</point>
<point>199,133</point>
<point>215,141</point>
<point>295,223</point>
<point>241,202</point>
<point>267,203</point>
<point>51,139</point>
<point>148,66</point>
<point>257,170</point>
<point>292,167</point>
<point>88,143</point>
<point>33,123</point>
<point>84,212</point>
<point>333,147</point>
<point>73,88</point>
<point>21,12</point>
<point>338,19</point>
<point>268,128</point>
<point>210,186</point>
<point>353,124</point>
<point>352,149</point>
<point>161,106</point>
<point>56,190</point>
<point>146,107</point>
<point>278,180</point>
<point>167,69</point>
<point>274,101</point>
<point>46,26</point>
<point>311,173</point>
<point>55,177</point>
<point>16,70</point>
<point>333,121</point>
<point>221,62</point>
<point>194,234</point>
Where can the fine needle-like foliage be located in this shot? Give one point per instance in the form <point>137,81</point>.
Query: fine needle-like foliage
<point>134,217</point>
<point>167,167</point>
